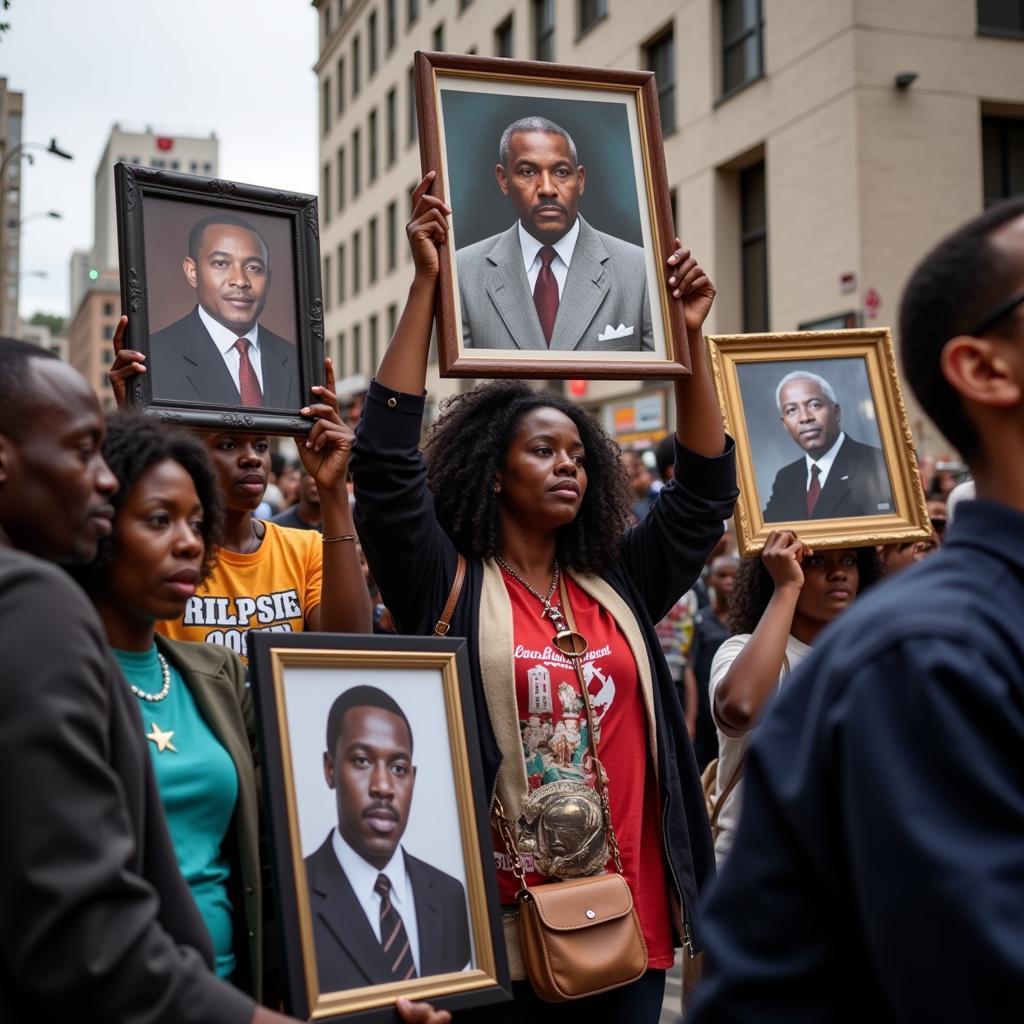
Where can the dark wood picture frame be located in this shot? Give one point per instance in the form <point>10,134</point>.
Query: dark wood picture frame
<point>133,185</point>
<point>652,195</point>
<point>487,979</point>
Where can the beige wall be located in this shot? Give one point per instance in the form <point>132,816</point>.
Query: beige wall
<point>89,350</point>
<point>861,177</point>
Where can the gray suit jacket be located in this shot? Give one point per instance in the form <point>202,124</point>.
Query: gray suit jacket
<point>606,286</point>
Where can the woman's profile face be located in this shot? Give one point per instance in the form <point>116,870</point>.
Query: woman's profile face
<point>831,581</point>
<point>158,545</point>
<point>544,477</point>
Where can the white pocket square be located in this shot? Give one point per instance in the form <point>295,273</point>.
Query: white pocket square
<point>611,333</point>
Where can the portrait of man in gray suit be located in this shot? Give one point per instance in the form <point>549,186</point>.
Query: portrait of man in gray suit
<point>551,281</point>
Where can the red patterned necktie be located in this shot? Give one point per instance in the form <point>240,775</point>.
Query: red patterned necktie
<point>393,939</point>
<point>814,491</point>
<point>545,293</point>
<point>248,383</point>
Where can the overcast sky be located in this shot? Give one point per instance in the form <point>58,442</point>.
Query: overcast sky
<point>241,69</point>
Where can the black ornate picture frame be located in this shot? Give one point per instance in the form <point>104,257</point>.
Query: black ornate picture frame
<point>182,285</point>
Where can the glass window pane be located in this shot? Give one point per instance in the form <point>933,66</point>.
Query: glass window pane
<point>752,192</point>
<point>755,286</point>
<point>732,19</point>
<point>733,68</point>
<point>1015,160</point>
<point>1001,14</point>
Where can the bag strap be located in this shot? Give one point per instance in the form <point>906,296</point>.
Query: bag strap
<point>441,629</point>
<point>720,802</point>
<point>599,777</point>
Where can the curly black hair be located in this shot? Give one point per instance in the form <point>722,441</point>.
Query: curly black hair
<point>466,447</point>
<point>754,587</point>
<point>134,444</point>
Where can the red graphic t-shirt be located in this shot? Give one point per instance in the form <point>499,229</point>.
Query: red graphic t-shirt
<point>553,725</point>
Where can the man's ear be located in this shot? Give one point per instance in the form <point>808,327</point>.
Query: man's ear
<point>839,412</point>
<point>189,266</point>
<point>6,454</point>
<point>977,370</point>
<point>499,173</point>
<point>581,173</point>
<point>328,770</point>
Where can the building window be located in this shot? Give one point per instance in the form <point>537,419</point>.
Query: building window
<point>342,368</point>
<point>327,21</point>
<point>108,332</point>
<point>371,237</point>
<point>661,59</point>
<point>391,28</point>
<point>413,11</point>
<point>1002,149</point>
<point>673,200</point>
<point>341,177</point>
<point>356,71</point>
<point>463,4</point>
<point>371,143</point>
<point>754,248</point>
<point>357,348</point>
<point>327,281</point>
<point>108,309</point>
<point>392,319</point>
<point>590,13</point>
<point>340,75</point>
<point>391,127</point>
<point>371,42</point>
<point>544,29</point>
<point>392,240</point>
<point>357,268</point>
<point>374,343</point>
<point>741,43</point>
<point>325,194</point>
<point>357,161</point>
<point>342,280</point>
<point>1001,17</point>
<point>413,130</point>
<point>503,39</point>
<point>437,38</point>
<point>325,111</point>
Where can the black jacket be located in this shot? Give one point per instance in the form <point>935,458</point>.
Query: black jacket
<point>348,953</point>
<point>857,485</point>
<point>187,367</point>
<point>413,561</point>
<point>96,922</point>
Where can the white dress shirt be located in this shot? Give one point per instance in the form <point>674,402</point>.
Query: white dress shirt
<point>224,338</point>
<point>362,876</point>
<point>564,247</point>
<point>824,464</point>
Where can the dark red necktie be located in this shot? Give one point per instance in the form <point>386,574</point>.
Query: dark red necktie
<point>545,293</point>
<point>248,383</point>
<point>814,491</point>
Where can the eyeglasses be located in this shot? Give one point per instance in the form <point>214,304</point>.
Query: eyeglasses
<point>992,317</point>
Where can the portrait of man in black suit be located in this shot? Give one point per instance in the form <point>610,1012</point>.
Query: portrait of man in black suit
<point>379,914</point>
<point>837,476</point>
<point>220,353</point>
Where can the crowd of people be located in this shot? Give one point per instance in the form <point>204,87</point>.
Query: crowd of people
<point>839,747</point>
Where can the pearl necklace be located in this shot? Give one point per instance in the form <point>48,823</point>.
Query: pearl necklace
<point>155,698</point>
<point>568,641</point>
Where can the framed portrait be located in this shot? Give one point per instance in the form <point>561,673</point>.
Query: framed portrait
<point>822,438</point>
<point>221,285</point>
<point>561,220</point>
<point>381,845</point>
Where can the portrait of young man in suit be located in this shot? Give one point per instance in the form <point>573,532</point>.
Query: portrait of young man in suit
<point>551,280</point>
<point>219,353</point>
<point>379,914</point>
<point>837,476</point>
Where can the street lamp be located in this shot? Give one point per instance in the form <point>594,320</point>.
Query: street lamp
<point>52,214</point>
<point>33,273</point>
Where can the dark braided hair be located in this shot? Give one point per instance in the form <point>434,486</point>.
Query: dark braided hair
<point>754,587</point>
<point>466,448</point>
<point>135,444</point>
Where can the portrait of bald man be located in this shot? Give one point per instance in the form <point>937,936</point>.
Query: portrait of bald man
<point>836,476</point>
<point>220,353</point>
<point>551,281</point>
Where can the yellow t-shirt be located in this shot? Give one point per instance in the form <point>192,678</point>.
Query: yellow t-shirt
<point>273,588</point>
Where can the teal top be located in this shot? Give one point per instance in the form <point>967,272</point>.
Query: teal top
<point>199,787</point>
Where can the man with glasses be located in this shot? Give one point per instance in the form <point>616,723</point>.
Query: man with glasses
<point>878,869</point>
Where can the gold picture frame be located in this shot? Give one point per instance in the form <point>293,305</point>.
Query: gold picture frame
<point>295,678</point>
<point>853,509</point>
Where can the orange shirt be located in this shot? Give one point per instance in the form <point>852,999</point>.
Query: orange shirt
<point>273,588</point>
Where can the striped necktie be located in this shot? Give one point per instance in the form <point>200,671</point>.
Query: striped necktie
<point>393,939</point>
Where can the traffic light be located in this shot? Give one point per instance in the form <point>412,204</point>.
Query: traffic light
<point>93,274</point>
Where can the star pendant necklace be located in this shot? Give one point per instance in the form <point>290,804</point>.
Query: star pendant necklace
<point>568,641</point>
<point>157,735</point>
